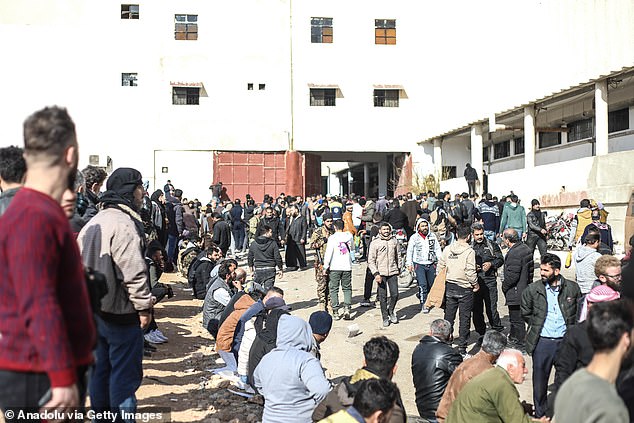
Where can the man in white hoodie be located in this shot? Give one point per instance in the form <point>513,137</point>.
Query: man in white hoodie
<point>338,261</point>
<point>462,281</point>
<point>423,250</point>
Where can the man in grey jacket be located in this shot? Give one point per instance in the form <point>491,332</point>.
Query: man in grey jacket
<point>112,243</point>
<point>292,391</point>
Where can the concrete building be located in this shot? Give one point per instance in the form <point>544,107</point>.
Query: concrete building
<point>261,92</point>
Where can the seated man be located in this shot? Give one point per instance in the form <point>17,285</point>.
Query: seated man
<point>321,323</point>
<point>218,296</point>
<point>374,403</point>
<point>380,355</point>
<point>291,391</point>
<point>433,362</point>
<point>491,396</point>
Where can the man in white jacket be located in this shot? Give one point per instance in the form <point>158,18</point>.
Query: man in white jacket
<point>338,261</point>
<point>423,250</point>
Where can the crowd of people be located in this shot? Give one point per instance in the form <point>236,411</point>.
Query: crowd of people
<point>91,263</point>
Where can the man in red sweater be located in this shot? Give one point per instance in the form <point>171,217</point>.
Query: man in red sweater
<point>46,328</point>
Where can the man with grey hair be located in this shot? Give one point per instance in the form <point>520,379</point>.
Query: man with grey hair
<point>492,396</point>
<point>433,362</point>
<point>518,274</point>
<point>492,345</point>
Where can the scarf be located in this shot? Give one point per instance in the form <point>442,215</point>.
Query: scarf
<point>598,294</point>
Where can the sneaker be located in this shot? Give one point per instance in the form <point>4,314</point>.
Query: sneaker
<point>386,323</point>
<point>160,335</point>
<point>335,315</point>
<point>366,303</point>
<point>424,310</point>
<point>346,313</point>
<point>152,338</point>
<point>393,317</point>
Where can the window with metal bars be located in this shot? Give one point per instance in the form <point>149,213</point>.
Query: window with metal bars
<point>129,79</point>
<point>129,11</point>
<point>518,144</point>
<point>385,31</point>
<point>619,120</point>
<point>580,129</point>
<point>323,96</point>
<point>186,27</point>
<point>386,98</point>
<point>321,30</point>
<point>549,139</point>
<point>501,150</point>
<point>485,154</point>
<point>185,95</point>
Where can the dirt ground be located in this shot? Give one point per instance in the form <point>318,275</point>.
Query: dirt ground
<point>177,375</point>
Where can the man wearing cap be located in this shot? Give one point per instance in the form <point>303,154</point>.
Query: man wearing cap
<point>112,243</point>
<point>321,323</point>
<point>318,241</point>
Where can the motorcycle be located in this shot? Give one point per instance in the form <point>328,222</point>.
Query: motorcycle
<point>558,228</point>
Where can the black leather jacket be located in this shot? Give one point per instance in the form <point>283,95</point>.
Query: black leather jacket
<point>536,222</point>
<point>433,363</point>
<point>518,272</point>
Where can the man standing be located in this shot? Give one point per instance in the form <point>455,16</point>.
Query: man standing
<point>45,316</point>
<point>237,225</point>
<point>274,222</point>
<point>433,362</point>
<point>536,229</point>
<point>461,284</point>
<point>491,396</point>
<point>471,175</point>
<point>113,244</point>
<point>12,170</point>
<point>338,261</point>
<point>514,216</point>
<point>383,262</point>
<point>423,250</point>
<point>174,211</point>
<point>263,257</point>
<point>548,308</point>
<point>489,213</point>
<point>585,257</point>
<point>589,395</point>
<point>489,259</point>
<point>95,176</point>
<point>518,274</point>
<point>296,230</point>
<point>492,346</point>
<point>318,241</point>
<point>222,233</point>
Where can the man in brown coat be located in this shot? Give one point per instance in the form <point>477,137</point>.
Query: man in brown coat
<point>492,346</point>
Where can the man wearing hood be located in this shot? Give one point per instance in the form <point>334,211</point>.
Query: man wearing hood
<point>263,257</point>
<point>462,282</point>
<point>513,216</point>
<point>423,250</point>
<point>113,244</point>
<point>292,391</point>
<point>585,258</point>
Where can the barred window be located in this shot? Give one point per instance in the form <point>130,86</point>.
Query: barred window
<point>386,98</point>
<point>129,11</point>
<point>186,27</point>
<point>321,30</point>
<point>549,139</point>
<point>385,31</point>
<point>185,95</point>
<point>501,150</point>
<point>485,154</point>
<point>619,120</point>
<point>323,96</point>
<point>129,79</point>
<point>580,129</point>
<point>519,145</point>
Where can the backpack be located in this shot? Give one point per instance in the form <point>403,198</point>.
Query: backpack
<point>265,339</point>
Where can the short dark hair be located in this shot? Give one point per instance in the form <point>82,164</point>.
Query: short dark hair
<point>374,395</point>
<point>607,322</point>
<point>463,231</point>
<point>224,270</point>
<point>178,193</point>
<point>94,175</point>
<point>584,203</point>
<point>276,290</point>
<point>12,164</point>
<point>552,260</point>
<point>514,198</point>
<point>338,224</point>
<point>511,235</point>
<point>592,237</point>
<point>152,248</point>
<point>385,224</point>
<point>49,131</point>
<point>477,226</point>
<point>381,355</point>
<point>266,228</point>
<point>216,215</point>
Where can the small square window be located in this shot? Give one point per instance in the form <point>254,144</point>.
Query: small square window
<point>501,150</point>
<point>250,86</point>
<point>448,172</point>
<point>129,79</point>
<point>323,96</point>
<point>185,95</point>
<point>385,31</point>
<point>321,30</point>
<point>186,27</point>
<point>386,98</point>
<point>261,87</point>
<point>129,11</point>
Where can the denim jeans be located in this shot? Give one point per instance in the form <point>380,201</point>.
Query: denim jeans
<point>118,369</point>
<point>459,299</point>
<point>238,236</point>
<point>343,277</point>
<point>425,275</point>
<point>265,277</point>
<point>490,235</point>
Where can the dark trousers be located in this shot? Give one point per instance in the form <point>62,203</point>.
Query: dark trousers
<point>533,240</point>
<point>486,298</point>
<point>471,185</point>
<point>27,391</point>
<point>459,299</point>
<point>517,331</point>
<point>425,275</point>
<point>238,237</point>
<point>265,277</point>
<point>368,284</point>
<point>543,360</point>
<point>295,254</point>
<point>172,244</point>
<point>343,278</point>
<point>388,283</point>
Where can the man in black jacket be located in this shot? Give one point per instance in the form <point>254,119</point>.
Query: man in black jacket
<point>222,233</point>
<point>398,219</point>
<point>536,229</point>
<point>471,175</point>
<point>263,257</point>
<point>518,274</point>
<point>433,362</point>
<point>296,232</point>
<point>489,259</point>
<point>274,222</point>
